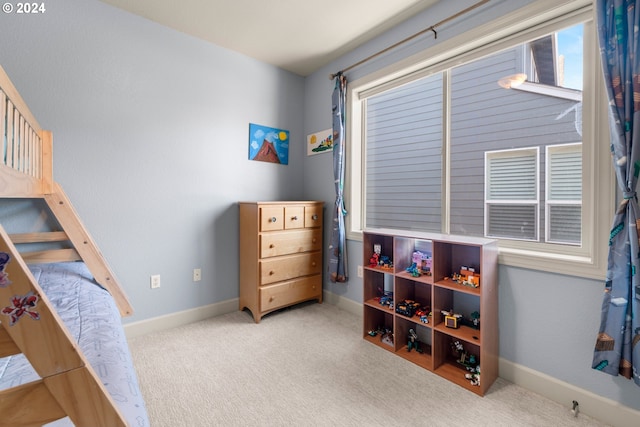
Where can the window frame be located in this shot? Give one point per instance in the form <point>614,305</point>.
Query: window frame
<point>536,19</point>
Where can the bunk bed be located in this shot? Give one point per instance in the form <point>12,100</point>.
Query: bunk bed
<point>64,358</point>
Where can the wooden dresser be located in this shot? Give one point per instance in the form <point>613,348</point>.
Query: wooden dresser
<point>280,254</point>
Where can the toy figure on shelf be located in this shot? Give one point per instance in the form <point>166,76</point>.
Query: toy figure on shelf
<point>375,258</point>
<point>378,260</point>
<point>386,299</point>
<point>467,277</point>
<point>426,265</point>
<point>473,376</point>
<point>373,261</point>
<point>424,313</point>
<point>413,270</point>
<point>387,337</point>
<point>385,262</point>
<point>451,319</point>
<point>407,307</point>
<point>420,264</point>
<point>475,320</point>
<point>379,330</point>
<point>457,349</point>
<point>469,361</point>
<point>413,342</point>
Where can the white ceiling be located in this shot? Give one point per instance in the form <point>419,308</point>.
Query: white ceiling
<point>297,35</point>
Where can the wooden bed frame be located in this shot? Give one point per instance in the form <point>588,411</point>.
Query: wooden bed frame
<point>69,386</point>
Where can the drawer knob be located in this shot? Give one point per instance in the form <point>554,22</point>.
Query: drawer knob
<point>314,217</point>
<point>271,273</point>
<point>314,240</point>
<point>273,219</point>
<point>271,246</point>
<point>313,263</point>
<point>294,218</point>
<point>271,299</point>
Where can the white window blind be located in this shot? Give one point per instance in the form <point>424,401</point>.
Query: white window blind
<point>564,193</point>
<point>511,193</point>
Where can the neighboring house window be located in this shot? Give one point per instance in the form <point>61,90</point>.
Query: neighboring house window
<point>564,194</point>
<point>511,192</point>
<point>452,148</point>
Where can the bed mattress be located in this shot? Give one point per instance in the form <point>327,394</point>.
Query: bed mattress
<point>93,319</point>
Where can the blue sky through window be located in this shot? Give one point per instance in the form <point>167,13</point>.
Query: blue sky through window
<point>570,44</point>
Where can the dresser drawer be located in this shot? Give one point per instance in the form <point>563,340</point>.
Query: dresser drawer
<point>291,292</point>
<point>271,218</point>
<point>289,266</point>
<point>290,242</point>
<point>293,217</point>
<point>312,216</point>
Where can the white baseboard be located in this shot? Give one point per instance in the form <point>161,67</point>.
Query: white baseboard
<point>343,303</point>
<point>601,408</point>
<point>598,407</point>
<point>180,318</point>
<point>172,320</point>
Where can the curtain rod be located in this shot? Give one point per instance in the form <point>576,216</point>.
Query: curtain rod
<point>426,30</point>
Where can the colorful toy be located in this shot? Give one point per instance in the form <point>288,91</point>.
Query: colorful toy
<point>385,262</point>
<point>424,313</point>
<point>386,298</point>
<point>474,375</point>
<point>413,270</point>
<point>475,320</point>
<point>467,277</point>
<point>407,307</point>
<point>374,260</point>
<point>413,342</point>
<point>420,264</point>
<point>387,338</point>
<point>451,319</point>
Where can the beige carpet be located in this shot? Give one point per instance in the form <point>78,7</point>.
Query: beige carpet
<point>309,366</point>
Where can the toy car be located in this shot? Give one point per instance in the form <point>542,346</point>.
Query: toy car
<point>407,307</point>
<point>423,311</point>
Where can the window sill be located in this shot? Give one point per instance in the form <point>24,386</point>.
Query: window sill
<point>571,265</point>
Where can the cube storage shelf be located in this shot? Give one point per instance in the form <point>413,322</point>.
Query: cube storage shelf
<point>444,349</point>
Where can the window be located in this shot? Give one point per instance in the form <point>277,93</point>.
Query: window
<point>564,194</point>
<point>511,205</point>
<point>461,143</point>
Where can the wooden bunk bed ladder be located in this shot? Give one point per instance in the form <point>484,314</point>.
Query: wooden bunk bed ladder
<point>68,385</point>
<point>83,247</point>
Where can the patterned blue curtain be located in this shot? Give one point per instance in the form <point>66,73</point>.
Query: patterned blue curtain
<point>338,271</point>
<point>617,350</point>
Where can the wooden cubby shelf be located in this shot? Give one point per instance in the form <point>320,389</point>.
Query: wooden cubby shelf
<point>452,347</point>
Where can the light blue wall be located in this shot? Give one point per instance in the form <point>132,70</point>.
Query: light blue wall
<point>548,322</point>
<point>150,134</point>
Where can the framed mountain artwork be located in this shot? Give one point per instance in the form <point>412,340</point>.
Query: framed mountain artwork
<point>267,144</point>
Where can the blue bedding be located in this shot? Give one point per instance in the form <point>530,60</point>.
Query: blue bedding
<point>93,319</point>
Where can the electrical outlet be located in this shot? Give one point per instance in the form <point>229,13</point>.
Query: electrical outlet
<point>360,271</point>
<point>197,275</point>
<point>155,281</point>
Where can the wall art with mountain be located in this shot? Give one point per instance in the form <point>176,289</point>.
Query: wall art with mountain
<point>267,144</point>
